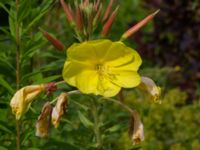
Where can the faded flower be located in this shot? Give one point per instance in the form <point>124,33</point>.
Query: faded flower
<point>59,109</point>
<point>23,98</point>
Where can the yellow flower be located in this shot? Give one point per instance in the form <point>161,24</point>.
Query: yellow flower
<point>22,99</point>
<point>102,67</point>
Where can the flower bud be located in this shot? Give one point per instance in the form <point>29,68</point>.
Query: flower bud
<point>139,25</point>
<point>109,22</point>
<point>55,42</point>
<point>136,129</point>
<point>23,98</point>
<point>149,86</point>
<point>59,109</point>
<point>44,120</point>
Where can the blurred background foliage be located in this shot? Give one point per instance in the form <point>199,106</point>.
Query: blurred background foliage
<point>169,46</point>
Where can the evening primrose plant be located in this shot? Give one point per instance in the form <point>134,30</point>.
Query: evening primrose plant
<point>95,66</point>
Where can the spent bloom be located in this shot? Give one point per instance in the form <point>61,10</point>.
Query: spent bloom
<point>136,130</point>
<point>150,87</point>
<point>102,67</point>
<point>22,99</point>
<point>59,109</point>
<point>43,122</point>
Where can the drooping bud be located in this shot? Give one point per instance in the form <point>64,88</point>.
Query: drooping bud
<point>108,10</point>
<point>55,42</point>
<point>149,86</point>
<point>139,25</point>
<point>109,22</point>
<point>44,121</point>
<point>68,11</point>
<point>136,129</point>
<point>59,109</point>
<point>23,98</point>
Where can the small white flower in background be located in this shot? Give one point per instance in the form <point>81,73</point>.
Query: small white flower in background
<point>23,98</point>
<point>136,129</point>
<point>59,109</point>
<point>44,121</point>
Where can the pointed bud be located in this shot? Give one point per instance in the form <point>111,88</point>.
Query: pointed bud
<point>43,122</point>
<point>23,98</point>
<point>109,22</point>
<point>136,129</point>
<point>108,10</point>
<point>139,25</point>
<point>67,11</point>
<point>59,109</point>
<point>79,22</point>
<point>55,42</point>
<point>96,5</point>
<point>149,86</point>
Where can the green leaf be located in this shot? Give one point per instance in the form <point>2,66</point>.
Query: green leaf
<point>85,121</point>
<point>114,128</point>
<point>5,129</point>
<point>3,148</point>
<point>39,16</point>
<point>24,10</point>
<point>6,85</point>
<point>12,21</point>
<point>48,79</point>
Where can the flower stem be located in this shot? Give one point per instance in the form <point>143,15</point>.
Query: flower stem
<point>97,130</point>
<point>18,40</point>
<point>121,104</point>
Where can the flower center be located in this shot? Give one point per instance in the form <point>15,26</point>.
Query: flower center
<point>100,68</point>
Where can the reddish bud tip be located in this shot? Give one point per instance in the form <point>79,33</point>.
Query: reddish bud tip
<point>108,10</point>
<point>109,22</point>
<point>67,11</point>
<point>139,25</point>
<point>55,42</point>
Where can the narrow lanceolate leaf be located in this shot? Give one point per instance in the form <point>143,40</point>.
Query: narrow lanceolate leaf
<point>67,11</point>
<point>85,121</point>
<point>109,22</point>
<point>55,42</point>
<point>139,25</point>
<point>6,85</point>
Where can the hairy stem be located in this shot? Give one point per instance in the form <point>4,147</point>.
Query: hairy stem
<point>17,69</point>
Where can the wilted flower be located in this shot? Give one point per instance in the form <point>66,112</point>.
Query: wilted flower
<point>102,67</point>
<point>149,85</point>
<point>136,131</point>
<point>59,109</point>
<point>43,122</point>
<point>22,99</point>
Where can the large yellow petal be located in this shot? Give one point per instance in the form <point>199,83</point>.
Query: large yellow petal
<point>107,88</point>
<point>126,79</point>
<point>90,82</point>
<point>90,51</point>
<point>71,70</point>
<point>87,82</point>
<point>127,59</point>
